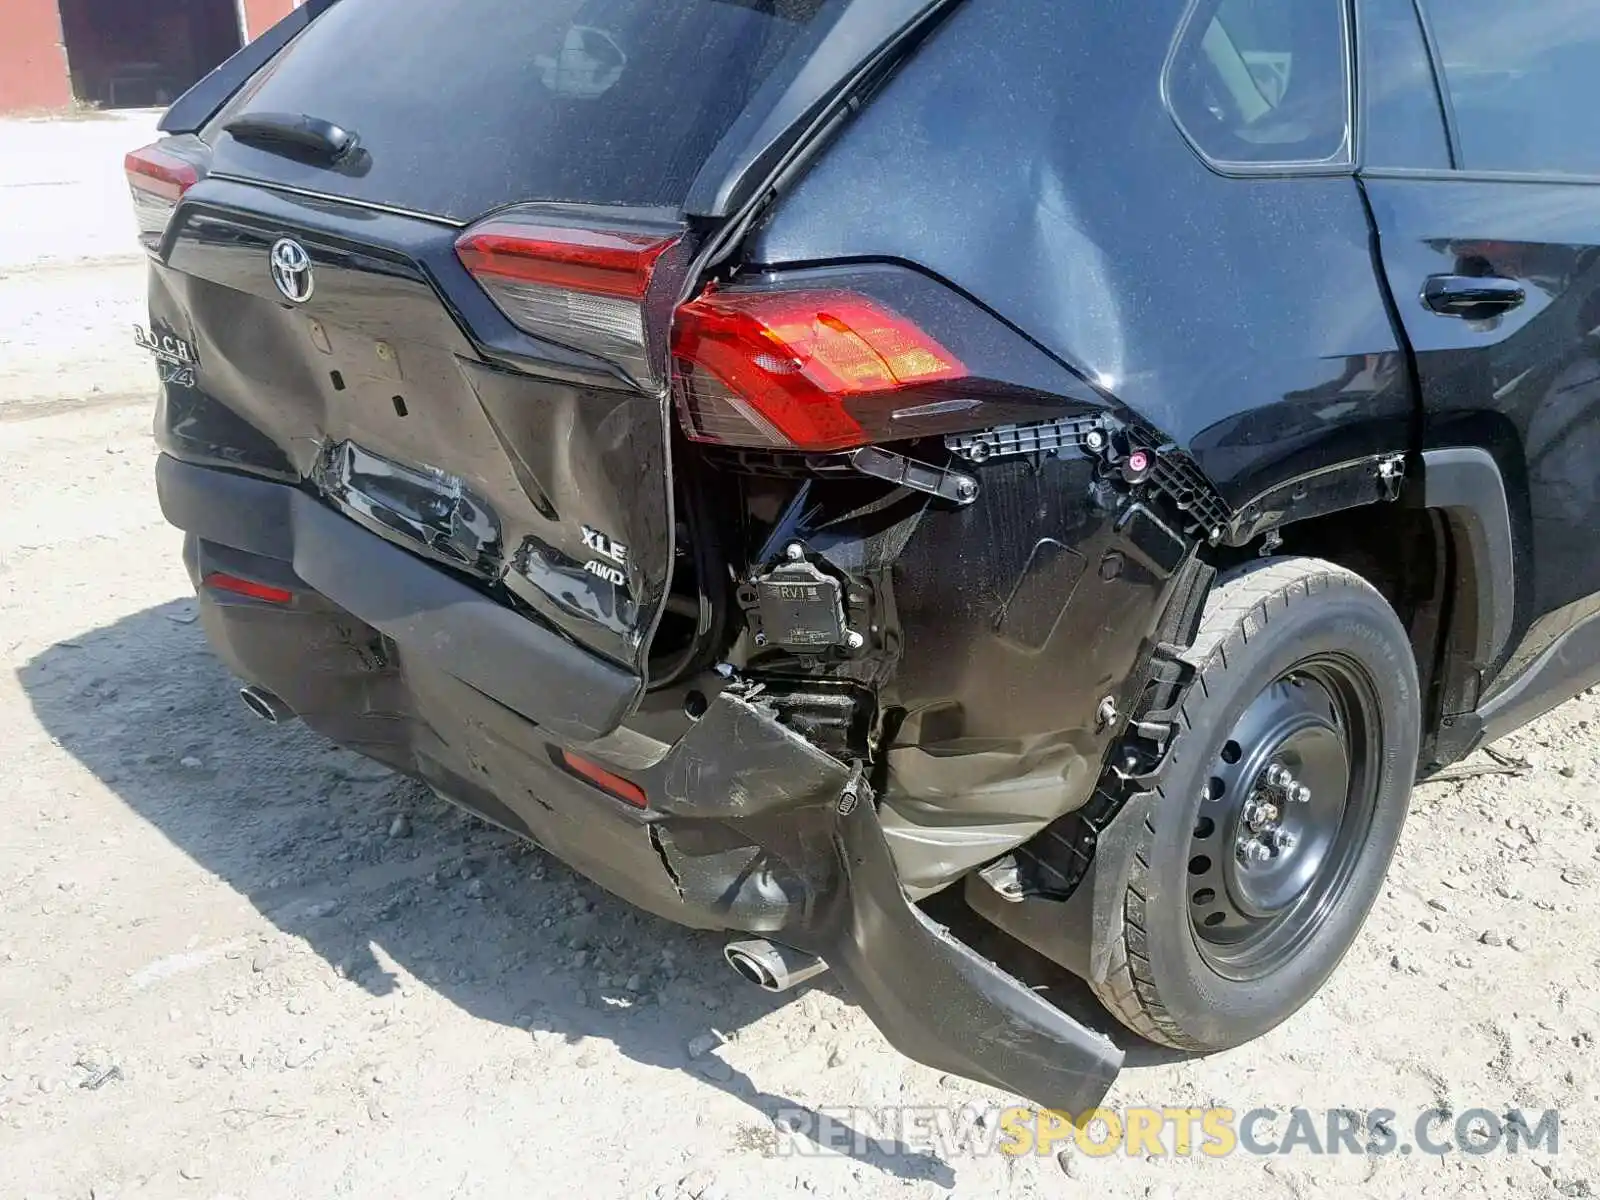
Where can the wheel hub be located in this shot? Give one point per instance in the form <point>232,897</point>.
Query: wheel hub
<point>1271,816</point>
<point>1282,834</point>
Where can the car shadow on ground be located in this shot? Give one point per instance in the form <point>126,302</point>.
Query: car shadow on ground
<point>305,832</point>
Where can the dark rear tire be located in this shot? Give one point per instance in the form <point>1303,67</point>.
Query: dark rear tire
<point>1278,812</point>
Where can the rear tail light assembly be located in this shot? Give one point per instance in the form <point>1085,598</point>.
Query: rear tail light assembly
<point>811,370</point>
<point>582,287</point>
<point>158,177</point>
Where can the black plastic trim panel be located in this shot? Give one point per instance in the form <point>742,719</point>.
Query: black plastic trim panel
<point>1465,482</point>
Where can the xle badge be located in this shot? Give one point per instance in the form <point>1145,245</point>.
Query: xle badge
<point>602,544</point>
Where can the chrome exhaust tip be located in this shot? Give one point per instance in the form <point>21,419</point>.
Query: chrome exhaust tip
<point>265,705</point>
<point>771,967</point>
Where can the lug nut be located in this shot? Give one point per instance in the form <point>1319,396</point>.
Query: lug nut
<point>1254,853</point>
<point>1283,841</point>
<point>1301,794</point>
<point>1275,775</point>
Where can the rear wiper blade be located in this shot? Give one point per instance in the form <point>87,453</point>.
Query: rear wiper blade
<point>295,131</point>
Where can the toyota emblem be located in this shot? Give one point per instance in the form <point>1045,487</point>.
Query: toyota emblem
<point>291,270</point>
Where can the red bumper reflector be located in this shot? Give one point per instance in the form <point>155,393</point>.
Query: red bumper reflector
<point>612,785</point>
<point>223,582</point>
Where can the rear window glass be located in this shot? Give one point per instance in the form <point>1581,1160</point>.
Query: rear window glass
<point>466,106</point>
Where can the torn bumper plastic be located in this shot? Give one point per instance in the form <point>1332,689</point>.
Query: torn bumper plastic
<point>748,826</point>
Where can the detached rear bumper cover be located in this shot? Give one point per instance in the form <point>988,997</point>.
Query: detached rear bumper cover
<point>746,829</point>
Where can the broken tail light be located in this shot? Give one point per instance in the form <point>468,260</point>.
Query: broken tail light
<point>814,370</point>
<point>158,177</point>
<point>581,287</point>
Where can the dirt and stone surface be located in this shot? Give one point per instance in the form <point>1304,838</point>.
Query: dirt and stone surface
<point>237,961</point>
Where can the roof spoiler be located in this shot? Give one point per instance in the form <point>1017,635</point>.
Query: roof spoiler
<point>200,103</point>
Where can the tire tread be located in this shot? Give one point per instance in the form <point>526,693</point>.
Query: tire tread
<point>1241,606</point>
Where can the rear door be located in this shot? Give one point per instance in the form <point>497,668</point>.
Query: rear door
<point>1491,244</point>
<point>449,313</point>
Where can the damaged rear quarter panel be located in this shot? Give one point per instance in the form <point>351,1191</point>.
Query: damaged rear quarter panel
<point>1242,317</point>
<point>1022,616</point>
<point>1240,321</point>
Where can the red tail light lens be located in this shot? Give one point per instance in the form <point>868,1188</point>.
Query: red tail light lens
<point>581,287</point>
<point>223,582</point>
<point>613,785</point>
<point>597,261</point>
<point>808,370</point>
<point>158,179</point>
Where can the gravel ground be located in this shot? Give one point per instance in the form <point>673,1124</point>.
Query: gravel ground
<point>287,973</point>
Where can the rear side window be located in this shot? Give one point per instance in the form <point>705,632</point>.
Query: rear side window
<point>466,106</point>
<point>1524,80</point>
<point>1264,81</point>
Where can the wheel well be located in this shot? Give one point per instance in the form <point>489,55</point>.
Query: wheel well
<point>1412,558</point>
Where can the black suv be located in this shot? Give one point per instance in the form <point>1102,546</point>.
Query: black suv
<point>794,457</point>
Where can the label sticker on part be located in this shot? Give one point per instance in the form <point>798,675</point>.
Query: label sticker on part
<point>800,607</point>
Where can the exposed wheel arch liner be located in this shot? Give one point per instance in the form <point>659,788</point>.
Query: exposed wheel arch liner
<point>1464,482</point>
<point>1374,479</point>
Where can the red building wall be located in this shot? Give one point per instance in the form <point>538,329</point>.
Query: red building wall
<point>33,66</point>
<point>262,15</point>
<point>33,62</point>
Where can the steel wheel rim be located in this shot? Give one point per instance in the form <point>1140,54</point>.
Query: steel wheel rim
<point>1284,814</point>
